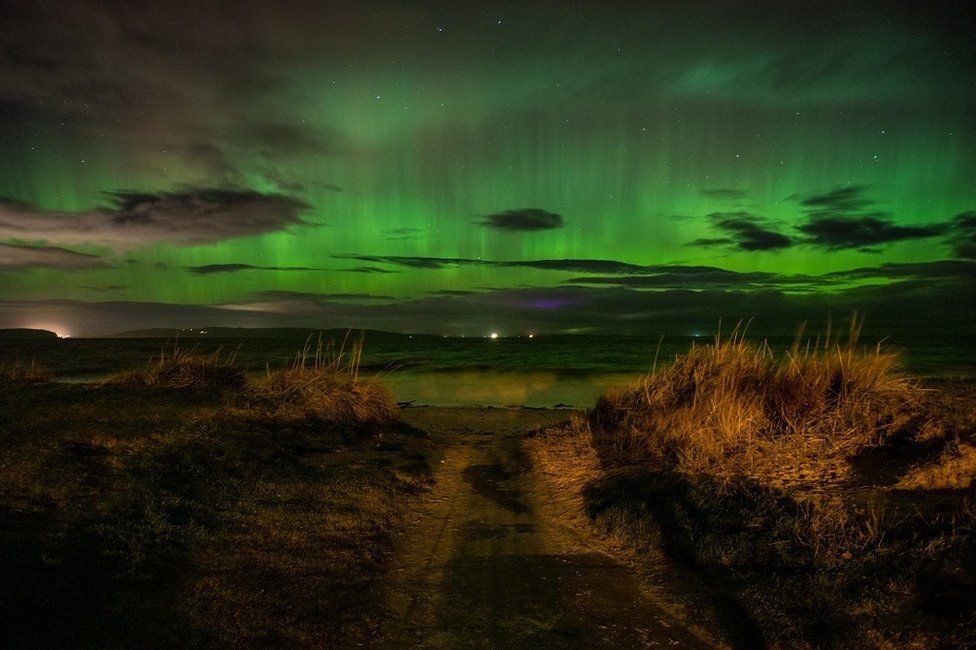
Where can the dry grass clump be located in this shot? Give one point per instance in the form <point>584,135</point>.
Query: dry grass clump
<point>22,372</point>
<point>730,409</point>
<point>777,481</point>
<point>324,386</point>
<point>954,470</point>
<point>182,369</point>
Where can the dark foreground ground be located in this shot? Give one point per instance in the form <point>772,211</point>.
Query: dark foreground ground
<point>146,517</point>
<point>149,517</point>
<point>139,517</point>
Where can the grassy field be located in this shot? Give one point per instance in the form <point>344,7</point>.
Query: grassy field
<point>819,499</point>
<point>186,504</point>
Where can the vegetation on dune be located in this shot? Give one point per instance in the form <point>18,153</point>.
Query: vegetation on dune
<point>182,369</point>
<point>323,386</point>
<point>731,409</point>
<point>799,490</point>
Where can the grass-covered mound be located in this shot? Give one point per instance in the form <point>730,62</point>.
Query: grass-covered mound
<point>168,512</point>
<point>798,490</point>
<point>732,409</point>
<point>321,387</point>
<point>181,369</point>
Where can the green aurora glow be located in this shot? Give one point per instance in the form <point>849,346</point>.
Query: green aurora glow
<point>794,146</point>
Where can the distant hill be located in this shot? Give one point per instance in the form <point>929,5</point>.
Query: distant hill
<point>26,334</point>
<point>262,333</point>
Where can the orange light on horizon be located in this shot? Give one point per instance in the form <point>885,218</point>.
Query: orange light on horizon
<point>62,331</point>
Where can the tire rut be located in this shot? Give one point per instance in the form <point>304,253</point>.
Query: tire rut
<point>482,567</point>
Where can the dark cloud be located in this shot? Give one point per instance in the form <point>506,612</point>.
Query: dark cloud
<point>209,269</point>
<point>136,219</point>
<point>687,277</point>
<point>745,233</point>
<point>963,235</point>
<point>836,233</point>
<point>569,265</point>
<point>842,200</point>
<point>451,292</point>
<point>175,82</point>
<point>713,241</point>
<point>26,257</point>
<point>411,261</point>
<point>526,219</point>
<point>844,218</point>
<point>927,271</point>
<point>957,272</point>
<point>606,273</point>
<point>897,307</point>
<point>368,269</point>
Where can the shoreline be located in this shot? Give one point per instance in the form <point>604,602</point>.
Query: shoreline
<point>427,390</point>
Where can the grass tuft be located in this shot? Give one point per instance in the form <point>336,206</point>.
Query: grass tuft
<point>954,470</point>
<point>22,372</point>
<point>323,385</point>
<point>181,369</point>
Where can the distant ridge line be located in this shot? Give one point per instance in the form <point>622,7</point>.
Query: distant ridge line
<point>335,334</point>
<point>25,334</point>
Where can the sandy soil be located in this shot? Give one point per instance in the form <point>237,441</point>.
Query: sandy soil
<point>485,565</point>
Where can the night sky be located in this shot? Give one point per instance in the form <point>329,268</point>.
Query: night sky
<point>464,168</point>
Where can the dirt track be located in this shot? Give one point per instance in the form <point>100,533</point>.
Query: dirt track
<point>482,566</point>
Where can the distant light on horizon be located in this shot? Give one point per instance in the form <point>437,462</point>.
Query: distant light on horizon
<point>493,335</point>
<point>61,331</point>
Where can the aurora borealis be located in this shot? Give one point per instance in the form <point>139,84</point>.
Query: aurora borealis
<point>463,168</point>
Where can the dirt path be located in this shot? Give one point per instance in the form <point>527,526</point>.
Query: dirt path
<point>483,567</point>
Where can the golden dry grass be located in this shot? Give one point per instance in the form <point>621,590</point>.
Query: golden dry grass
<point>803,490</point>
<point>730,409</point>
<point>323,386</point>
<point>954,470</point>
<point>181,369</point>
